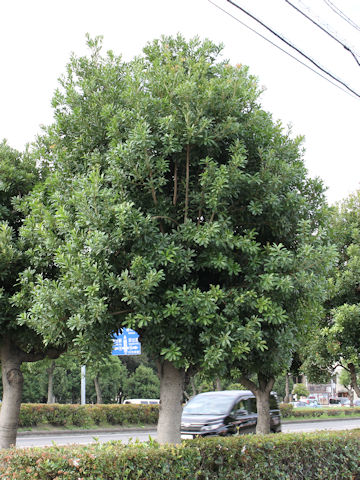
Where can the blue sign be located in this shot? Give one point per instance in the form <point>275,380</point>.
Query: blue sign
<point>126,343</point>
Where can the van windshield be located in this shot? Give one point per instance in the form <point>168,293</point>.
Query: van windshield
<point>209,405</point>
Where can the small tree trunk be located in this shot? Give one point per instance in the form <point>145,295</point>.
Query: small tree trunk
<point>263,412</point>
<point>50,372</point>
<point>217,384</point>
<point>262,394</point>
<point>171,398</point>
<point>287,391</point>
<point>193,386</point>
<point>351,397</point>
<point>98,390</point>
<point>12,380</point>
<point>354,383</point>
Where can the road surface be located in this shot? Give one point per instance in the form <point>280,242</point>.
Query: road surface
<point>37,440</point>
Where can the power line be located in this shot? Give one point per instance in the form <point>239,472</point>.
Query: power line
<point>281,49</point>
<point>324,30</point>
<point>295,48</point>
<point>341,14</point>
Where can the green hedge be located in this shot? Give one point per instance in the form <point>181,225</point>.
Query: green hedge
<point>320,456</point>
<point>287,410</point>
<point>32,415</point>
<point>63,415</point>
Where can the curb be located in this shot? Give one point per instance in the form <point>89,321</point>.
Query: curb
<point>90,431</point>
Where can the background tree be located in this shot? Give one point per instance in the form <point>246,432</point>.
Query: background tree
<point>178,208</point>
<point>19,343</point>
<point>337,343</point>
<point>143,383</point>
<point>300,390</point>
<point>345,381</point>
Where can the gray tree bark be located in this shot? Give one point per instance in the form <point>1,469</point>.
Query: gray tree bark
<point>287,390</point>
<point>12,379</point>
<point>171,398</point>
<point>262,394</point>
<point>50,372</point>
<point>354,383</point>
<point>98,390</point>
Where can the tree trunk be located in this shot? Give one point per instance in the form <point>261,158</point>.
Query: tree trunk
<point>50,372</point>
<point>218,384</point>
<point>354,383</point>
<point>351,397</point>
<point>287,391</point>
<point>12,380</point>
<point>98,390</point>
<point>193,386</point>
<point>263,412</point>
<point>171,398</point>
<point>262,394</point>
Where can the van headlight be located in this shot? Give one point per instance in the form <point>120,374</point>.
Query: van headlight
<point>209,428</point>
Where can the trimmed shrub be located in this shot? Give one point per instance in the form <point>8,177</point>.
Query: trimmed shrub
<point>319,456</point>
<point>287,410</point>
<point>32,415</point>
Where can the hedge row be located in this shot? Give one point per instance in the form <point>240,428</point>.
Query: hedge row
<point>330,456</point>
<point>64,415</point>
<point>287,410</point>
<point>86,415</point>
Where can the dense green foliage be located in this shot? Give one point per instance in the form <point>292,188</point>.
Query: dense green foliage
<point>66,415</point>
<point>18,175</point>
<point>300,390</point>
<point>172,150</point>
<point>330,456</point>
<point>287,410</point>
<point>338,339</point>
<point>116,380</point>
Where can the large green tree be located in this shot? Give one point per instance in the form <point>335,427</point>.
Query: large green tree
<point>18,343</point>
<point>338,341</point>
<point>176,207</point>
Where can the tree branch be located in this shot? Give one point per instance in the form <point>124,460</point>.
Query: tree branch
<point>164,217</point>
<point>187,182</point>
<point>120,312</point>
<point>175,183</point>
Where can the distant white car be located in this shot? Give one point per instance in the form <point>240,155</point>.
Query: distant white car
<point>142,401</point>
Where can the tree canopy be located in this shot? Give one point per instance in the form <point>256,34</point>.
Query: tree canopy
<point>338,340</point>
<point>177,207</point>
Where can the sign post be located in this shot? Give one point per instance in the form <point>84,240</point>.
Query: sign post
<point>83,385</point>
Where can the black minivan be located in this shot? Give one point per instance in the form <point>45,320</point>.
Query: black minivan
<point>225,412</point>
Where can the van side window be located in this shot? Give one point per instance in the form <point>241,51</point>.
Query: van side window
<point>240,408</point>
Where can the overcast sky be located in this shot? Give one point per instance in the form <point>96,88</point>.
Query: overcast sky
<point>38,36</point>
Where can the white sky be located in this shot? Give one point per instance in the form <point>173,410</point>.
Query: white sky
<point>38,36</point>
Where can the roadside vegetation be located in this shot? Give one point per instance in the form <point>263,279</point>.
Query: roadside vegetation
<point>163,198</point>
<point>330,456</point>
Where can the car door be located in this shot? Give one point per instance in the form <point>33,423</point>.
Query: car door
<point>242,419</point>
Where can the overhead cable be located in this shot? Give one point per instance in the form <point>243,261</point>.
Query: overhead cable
<point>281,49</point>
<point>324,30</point>
<point>294,48</point>
<point>341,14</point>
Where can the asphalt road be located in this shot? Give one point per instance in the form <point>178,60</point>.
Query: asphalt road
<point>39,440</point>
